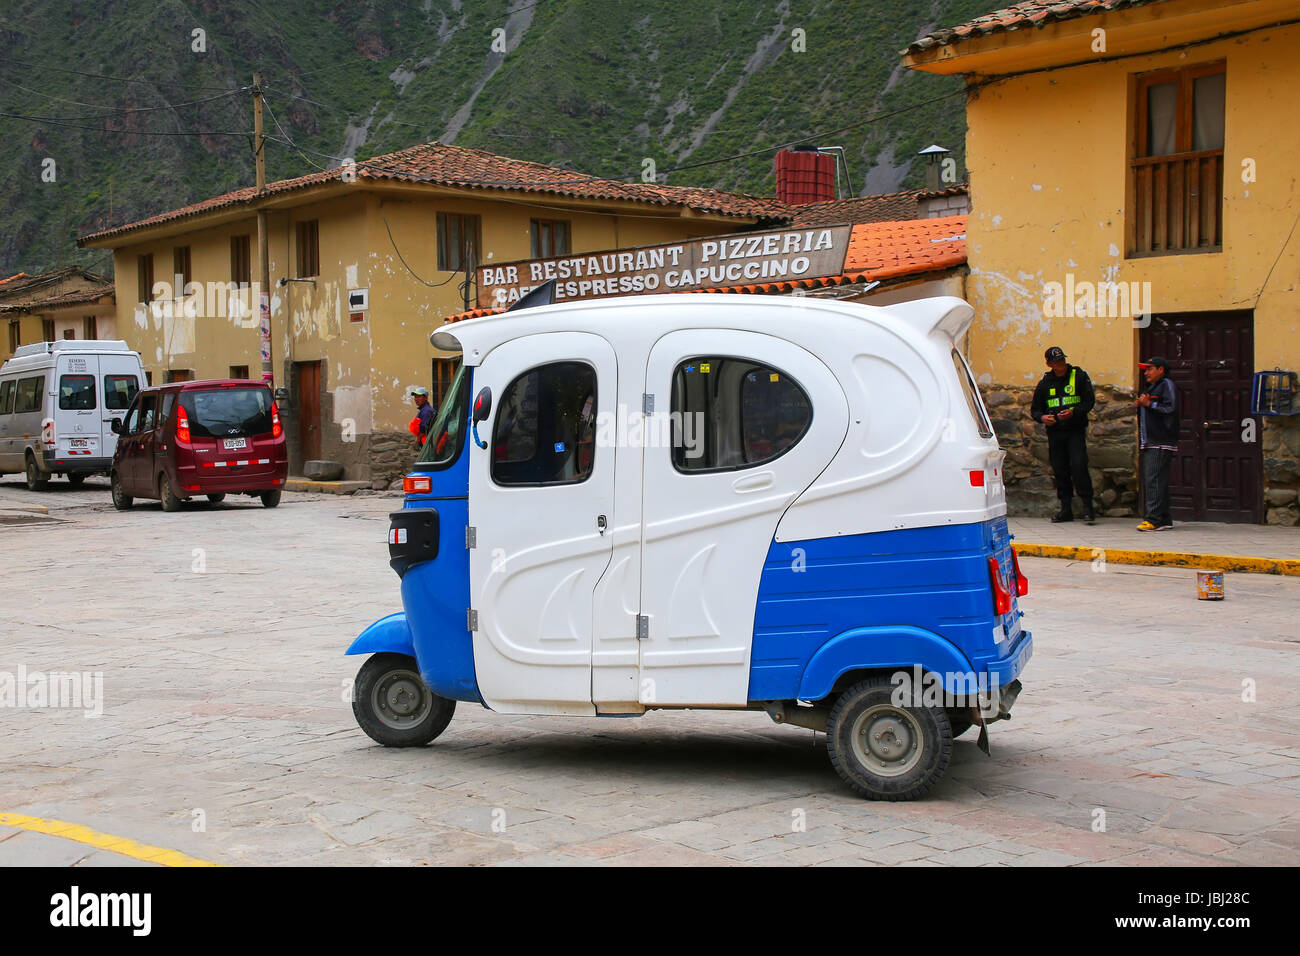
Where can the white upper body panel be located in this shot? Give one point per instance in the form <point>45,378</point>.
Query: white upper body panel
<point>915,433</point>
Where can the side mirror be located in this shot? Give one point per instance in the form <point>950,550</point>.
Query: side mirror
<point>116,426</point>
<point>482,405</point>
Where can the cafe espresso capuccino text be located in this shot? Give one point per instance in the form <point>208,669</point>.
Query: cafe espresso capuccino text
<point>754,257</point>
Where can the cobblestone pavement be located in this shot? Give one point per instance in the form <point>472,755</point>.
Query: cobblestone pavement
<point>225,733</point>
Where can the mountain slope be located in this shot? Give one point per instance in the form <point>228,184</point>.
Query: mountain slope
<point>138,113</point>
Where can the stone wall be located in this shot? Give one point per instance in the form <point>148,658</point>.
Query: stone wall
<point>1112,452</point>
<point>1281,439</point>
<point>391,456</point>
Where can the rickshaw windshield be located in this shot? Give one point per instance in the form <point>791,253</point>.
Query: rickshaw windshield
<point>447,434</point>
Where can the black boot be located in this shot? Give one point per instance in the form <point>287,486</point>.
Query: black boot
<point>1065,514</point>
<point>1088,515</point>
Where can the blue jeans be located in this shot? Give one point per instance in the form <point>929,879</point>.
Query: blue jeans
<point>1155,485</point>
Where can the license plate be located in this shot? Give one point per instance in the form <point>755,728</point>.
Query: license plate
<point>234,444</point>
<point>77,443</point>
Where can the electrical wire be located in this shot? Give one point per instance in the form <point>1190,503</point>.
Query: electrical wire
<point>114,112</point>
<point>127,132</point>
<point>431,285</point>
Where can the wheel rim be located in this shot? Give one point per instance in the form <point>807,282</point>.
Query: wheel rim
<point>31,472</point>
<point>400,700</point>
<point>888,740</point>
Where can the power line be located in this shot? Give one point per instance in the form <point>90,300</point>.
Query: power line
<point>108,76</point>
<point>127,132</point>
<point>114,112</point>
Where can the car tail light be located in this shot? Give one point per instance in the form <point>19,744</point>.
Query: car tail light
<point>276,429</point>
<point>1022,582</point>
<point>1001,596</point>
<point>977,479</point>
<point>417,484</point>
<point>182,425</point>
<point>47,431</point>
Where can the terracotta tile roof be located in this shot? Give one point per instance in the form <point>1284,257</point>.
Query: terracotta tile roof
<point>457,166</point>
<point>877,251</point>
<point>16,275</point>
<point>23,293</point>
<point>1033,13</point>
<point>885,207</point>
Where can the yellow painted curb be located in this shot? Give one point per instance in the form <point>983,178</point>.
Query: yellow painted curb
<point>1167,559</point>
<point>103,841</point>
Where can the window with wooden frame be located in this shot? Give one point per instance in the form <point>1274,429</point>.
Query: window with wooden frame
<point>181,273</point>
<point>459,238</point>
<point>15,335</point>
<point>144,277</point>
<point>47,330</point>
<point>241,262</point>
<point>308,234</point>
<point>90,327</point>
<point>239,371</point>
<point>1175,182</point>
<point>550,237</point>
<point>444,370</point>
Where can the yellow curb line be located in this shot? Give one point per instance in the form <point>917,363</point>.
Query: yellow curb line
<point>1168,559</point>
<point>103,841</point>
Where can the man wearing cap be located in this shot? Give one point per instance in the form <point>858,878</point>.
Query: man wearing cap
<point>424,413</point>
<point>1157,407</point>
<point>1062,401</point>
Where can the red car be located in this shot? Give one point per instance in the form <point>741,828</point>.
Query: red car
<point>200,438</point>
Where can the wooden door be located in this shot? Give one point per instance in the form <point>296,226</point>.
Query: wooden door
<point>1217,473</point>
<point>308,410</point>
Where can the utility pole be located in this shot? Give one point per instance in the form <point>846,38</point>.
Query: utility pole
<point>263,238</point>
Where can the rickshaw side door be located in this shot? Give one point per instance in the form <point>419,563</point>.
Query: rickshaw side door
<point>541,499</point>
<point>774,416</point>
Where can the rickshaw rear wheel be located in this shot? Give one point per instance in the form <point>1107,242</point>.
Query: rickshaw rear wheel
<point>960,719</point>
<point>883,750</point>
<point>394,706</point>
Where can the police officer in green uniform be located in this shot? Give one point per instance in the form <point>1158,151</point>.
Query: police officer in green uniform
<point>1061,403</point>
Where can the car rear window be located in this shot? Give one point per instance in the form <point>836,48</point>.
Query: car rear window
<point>76,392</point>
<point>119,390</point>
<point>228,411</point>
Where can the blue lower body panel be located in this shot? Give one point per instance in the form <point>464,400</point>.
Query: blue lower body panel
<point>919,596</point>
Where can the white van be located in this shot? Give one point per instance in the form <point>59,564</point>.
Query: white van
<point>57,404</point>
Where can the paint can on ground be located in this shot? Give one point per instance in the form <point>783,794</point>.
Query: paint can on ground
<point>1209,585</point>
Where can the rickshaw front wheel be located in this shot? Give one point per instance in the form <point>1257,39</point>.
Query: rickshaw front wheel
<point>885,750</point>
<point>394,706</point>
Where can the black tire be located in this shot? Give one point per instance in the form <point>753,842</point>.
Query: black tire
<point>76,481</point>
<point>216,499</point>
<point>394,706</point>
<point>121,500</point>
<point>959,718</point>
<point>36,481</point>
<point>169,500</point>
<point>270,499</point>
<point>922,736</point>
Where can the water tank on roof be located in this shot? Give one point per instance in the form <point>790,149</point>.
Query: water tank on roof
<point>804,175</point>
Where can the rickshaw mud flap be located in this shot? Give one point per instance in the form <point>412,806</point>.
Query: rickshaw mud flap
<point>1006,700</point>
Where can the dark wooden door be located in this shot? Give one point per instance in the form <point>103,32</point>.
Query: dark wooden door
<point>309,410</point>
<point>1218,470</point>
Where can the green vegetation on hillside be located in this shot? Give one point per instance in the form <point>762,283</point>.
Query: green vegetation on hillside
<point>595,85</point>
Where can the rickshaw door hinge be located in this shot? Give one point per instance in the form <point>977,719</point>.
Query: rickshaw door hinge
<point>642,627</point>
<point>647,403</point>
<point>471,619</point>
<point>471,536</point>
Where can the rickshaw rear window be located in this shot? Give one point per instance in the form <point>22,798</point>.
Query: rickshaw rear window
<point>972,394</point>
<point>447,433</point>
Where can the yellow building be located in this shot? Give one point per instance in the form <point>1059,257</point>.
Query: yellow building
<point>365,262</point>
<point>1132,174</point>
<point>70,303</point>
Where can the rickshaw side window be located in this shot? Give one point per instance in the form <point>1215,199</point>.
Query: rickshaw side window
<point>545,427</point>
<point>731,413</point>
<point>972,395</point>
<point>447,433</point>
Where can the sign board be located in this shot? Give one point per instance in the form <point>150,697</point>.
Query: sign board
<point>358,300</point>
<point>738,259</point>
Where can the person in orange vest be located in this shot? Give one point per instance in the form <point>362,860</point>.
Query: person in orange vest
<point>424,413</point>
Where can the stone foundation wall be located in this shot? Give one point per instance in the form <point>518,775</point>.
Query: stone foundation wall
<point>1281,438</point>
<point>391,456</point>
<point>1112,452</point>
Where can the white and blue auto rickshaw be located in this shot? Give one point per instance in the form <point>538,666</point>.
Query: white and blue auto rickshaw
<point>710,502</point>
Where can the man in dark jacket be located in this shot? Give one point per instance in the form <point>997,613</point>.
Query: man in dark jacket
<point>1061,403</point>
<point>1157,407</point>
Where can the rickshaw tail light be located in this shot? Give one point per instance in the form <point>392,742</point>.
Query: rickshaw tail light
<point>417,484</point>
<point>977,479</point>
<point>1022,582</point>
<point>1001,596</point>
<point>276,429</point>
<point>182,425</point>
